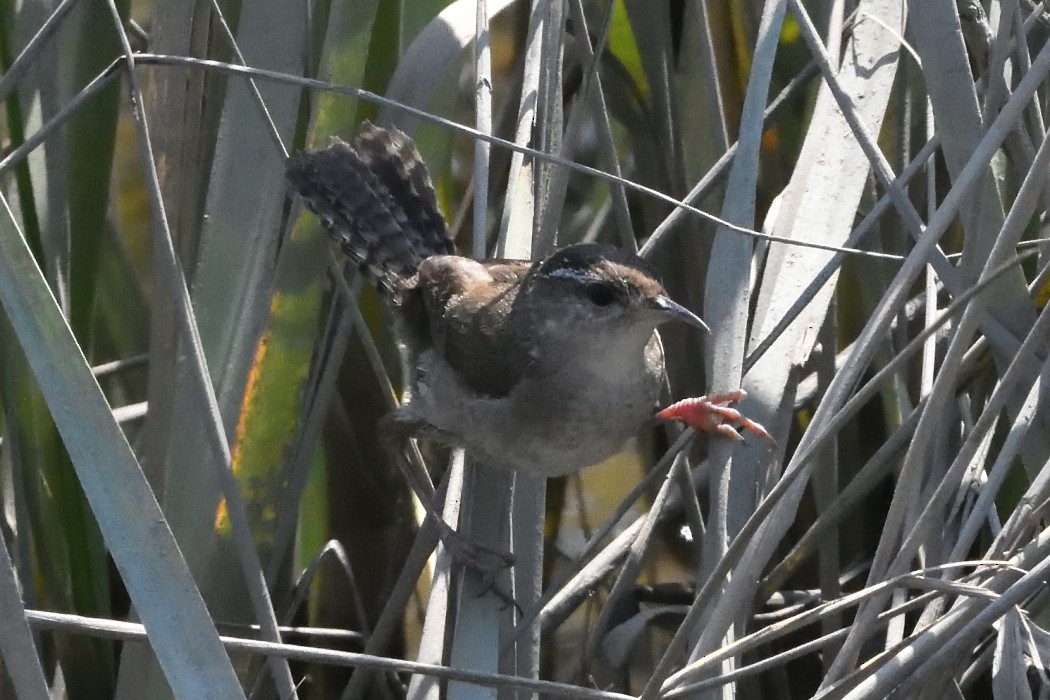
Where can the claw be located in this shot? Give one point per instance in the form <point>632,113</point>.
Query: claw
<point>395,431</point>
<point>483,560</point>
<point>711,415</point>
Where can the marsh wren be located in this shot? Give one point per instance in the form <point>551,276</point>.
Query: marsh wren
<point>545,367</point>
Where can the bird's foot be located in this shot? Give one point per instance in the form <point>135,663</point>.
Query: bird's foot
<point>712,415</point>
<point>483,560</point>
<point>478,557</point>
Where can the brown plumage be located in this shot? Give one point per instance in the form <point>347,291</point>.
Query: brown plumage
<point>545,366</point>
<point>377,202</point>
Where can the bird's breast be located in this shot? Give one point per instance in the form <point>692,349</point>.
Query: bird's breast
<point>553,422</point>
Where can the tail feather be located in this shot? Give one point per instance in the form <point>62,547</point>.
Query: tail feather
<point>376,201</point>
<point>393,157</point>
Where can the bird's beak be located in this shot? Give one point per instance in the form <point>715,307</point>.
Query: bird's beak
<point>673,311</point>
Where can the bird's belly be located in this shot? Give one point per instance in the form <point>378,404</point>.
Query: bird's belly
<point>580,441</point>
<point>546,427</point>
<point>562,433</point>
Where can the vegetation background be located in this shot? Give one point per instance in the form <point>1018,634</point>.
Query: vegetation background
<point>852,194</point>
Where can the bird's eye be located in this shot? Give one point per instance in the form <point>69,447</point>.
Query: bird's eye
<point>600,294</point>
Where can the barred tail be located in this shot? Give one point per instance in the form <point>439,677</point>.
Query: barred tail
<point>376,200</point>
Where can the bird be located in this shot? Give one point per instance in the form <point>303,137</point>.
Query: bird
<point>543,367</point>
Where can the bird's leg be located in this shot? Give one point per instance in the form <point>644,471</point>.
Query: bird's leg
<point>396,431</point>
<point>712,415</point>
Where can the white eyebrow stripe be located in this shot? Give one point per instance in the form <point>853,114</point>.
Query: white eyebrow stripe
<point>571,273</point>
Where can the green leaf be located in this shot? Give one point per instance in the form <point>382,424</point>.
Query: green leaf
<point>128,515</point>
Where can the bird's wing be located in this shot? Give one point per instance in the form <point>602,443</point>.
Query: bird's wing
<point>468,304</point>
